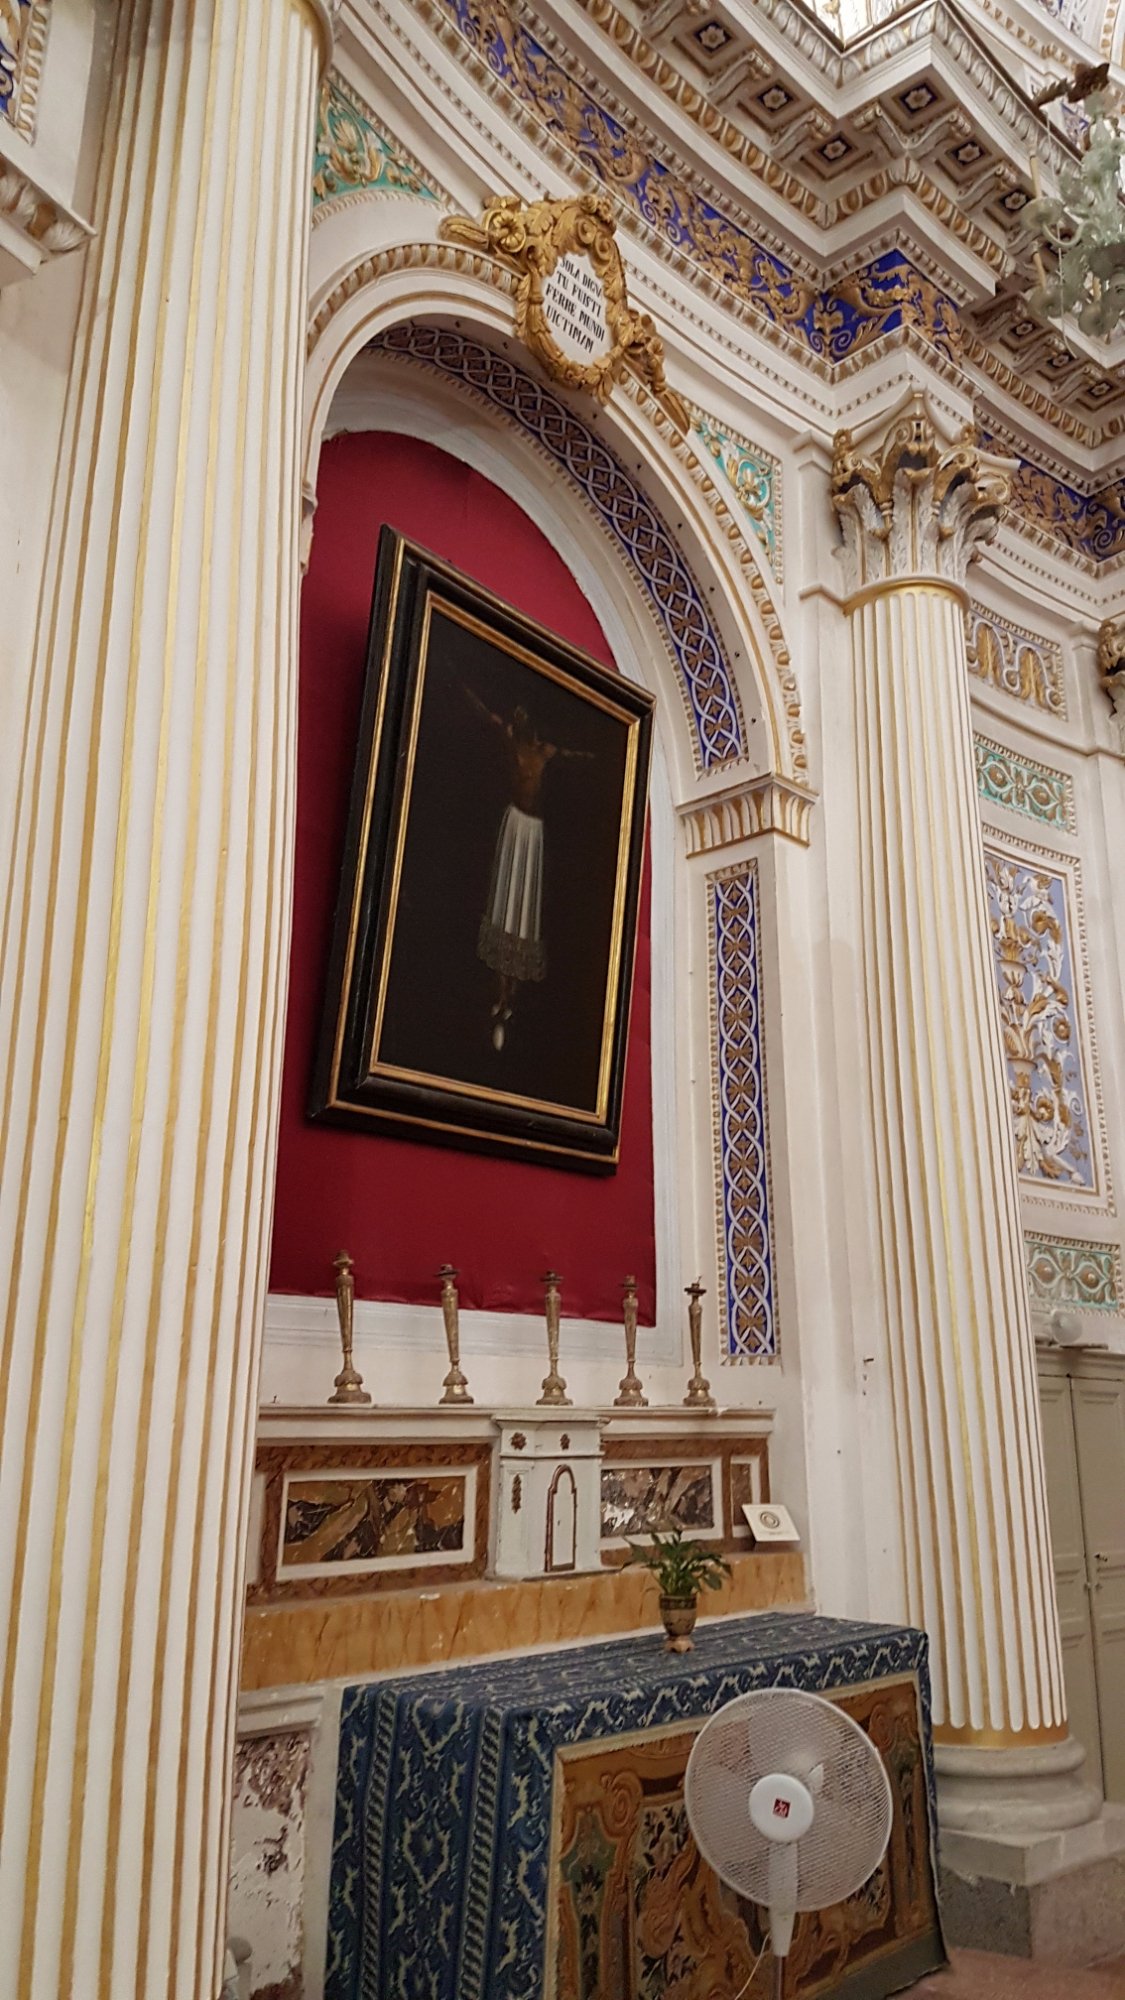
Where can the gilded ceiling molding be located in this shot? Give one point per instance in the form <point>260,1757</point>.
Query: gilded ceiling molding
<point>1041,404</point>
<point>832,333</point>
<point>918,507</point>
<point>825,210</point>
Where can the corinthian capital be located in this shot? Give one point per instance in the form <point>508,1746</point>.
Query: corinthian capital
<point>918,504</point>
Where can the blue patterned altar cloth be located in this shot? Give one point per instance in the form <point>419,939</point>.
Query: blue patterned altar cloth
<point>439,1886</point>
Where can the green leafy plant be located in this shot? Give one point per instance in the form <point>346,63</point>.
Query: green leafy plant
<point>682,1569</point>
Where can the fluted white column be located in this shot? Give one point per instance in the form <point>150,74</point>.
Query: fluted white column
<point>145,932</point>
<point>971,1490</point>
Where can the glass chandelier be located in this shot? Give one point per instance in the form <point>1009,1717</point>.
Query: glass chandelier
<point>1081,262</point>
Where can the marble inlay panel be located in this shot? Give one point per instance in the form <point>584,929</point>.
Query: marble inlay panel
<point>376,1520</point>
<point>1022,785</point>
<point>267,1859</point>
<point>338,1519</point>
<point>643,1499</point>
<point>746,1490</point>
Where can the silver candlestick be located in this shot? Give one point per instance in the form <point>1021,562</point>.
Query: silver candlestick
<point>554,1388</point>
<point>699,1395</point>
<point>455,1387</point>
<point>349,1382</point>
<point>630,1396</point>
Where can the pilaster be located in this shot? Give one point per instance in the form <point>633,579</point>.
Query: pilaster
<point>913,507</point>
<point>142,963</point>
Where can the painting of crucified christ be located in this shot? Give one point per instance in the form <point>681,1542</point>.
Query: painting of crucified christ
<point>479,988</point>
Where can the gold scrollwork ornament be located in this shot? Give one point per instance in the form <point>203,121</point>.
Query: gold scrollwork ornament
<point>533,239</point>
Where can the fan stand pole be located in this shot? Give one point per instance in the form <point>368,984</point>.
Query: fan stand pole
<point>779,1979</point>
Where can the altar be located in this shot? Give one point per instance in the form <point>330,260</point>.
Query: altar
<point>515,1830</point>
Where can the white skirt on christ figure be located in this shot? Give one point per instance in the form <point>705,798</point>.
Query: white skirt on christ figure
<point>510,940</point>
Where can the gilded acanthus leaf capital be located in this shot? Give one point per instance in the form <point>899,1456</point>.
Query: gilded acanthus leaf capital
<point>917,504</point>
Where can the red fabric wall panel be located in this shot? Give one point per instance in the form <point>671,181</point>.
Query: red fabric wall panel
<point>401,1208</point>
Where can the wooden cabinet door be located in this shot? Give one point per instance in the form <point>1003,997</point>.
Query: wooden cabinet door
<point>1064,1502</point>
<point>1099,1424</point>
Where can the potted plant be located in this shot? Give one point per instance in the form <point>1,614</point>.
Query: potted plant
<point>682,1569</point>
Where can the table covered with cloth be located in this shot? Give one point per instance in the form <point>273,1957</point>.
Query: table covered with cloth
<point>515,1830</point>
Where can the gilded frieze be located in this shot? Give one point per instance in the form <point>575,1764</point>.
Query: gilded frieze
<point>353,157</point>
<point>1015,661</point>
<point>1022,785</point>
<point>884,295</point>
<point>831,325</point>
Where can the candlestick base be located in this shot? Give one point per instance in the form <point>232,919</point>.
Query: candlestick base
<point>554,1395</point>
<point>455,1387</point>
<point>349,1387</point>
<point>699,1395</point>
<point>630,1396</point>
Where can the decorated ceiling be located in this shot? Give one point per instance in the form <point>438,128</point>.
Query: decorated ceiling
<point>836,176</point>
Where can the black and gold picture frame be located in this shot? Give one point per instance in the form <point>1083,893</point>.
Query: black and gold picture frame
<point>480,976</point>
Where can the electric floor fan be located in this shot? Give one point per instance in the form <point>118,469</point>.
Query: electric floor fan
<point>790,1804</point>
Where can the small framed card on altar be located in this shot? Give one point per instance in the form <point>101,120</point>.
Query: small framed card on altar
<point>770,1523</point>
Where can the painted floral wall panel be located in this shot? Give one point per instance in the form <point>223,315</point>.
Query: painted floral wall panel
<point>1022,785</point>
<point>1064,1273</point>
<point>1045,1020</point>
<point>353,157</point>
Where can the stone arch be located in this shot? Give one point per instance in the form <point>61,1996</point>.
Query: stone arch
<point>709,599</point>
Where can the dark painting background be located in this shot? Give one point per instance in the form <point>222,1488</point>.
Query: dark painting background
<point>437,1018</point>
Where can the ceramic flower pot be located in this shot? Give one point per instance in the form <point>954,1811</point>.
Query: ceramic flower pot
<point>679,1615</point>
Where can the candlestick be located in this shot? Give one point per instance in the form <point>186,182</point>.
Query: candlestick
<point>630,1396</point>
<point>699,1395</point>
<point>554,1388</point>
<point>349,1382</point>
<point>455,1387</point>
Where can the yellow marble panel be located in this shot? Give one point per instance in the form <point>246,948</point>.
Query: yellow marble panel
<point>400,1629</point>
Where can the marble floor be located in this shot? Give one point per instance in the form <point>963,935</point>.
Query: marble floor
<point>980,1975</point>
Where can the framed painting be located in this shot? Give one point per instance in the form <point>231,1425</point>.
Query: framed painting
<point>481,968</point>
